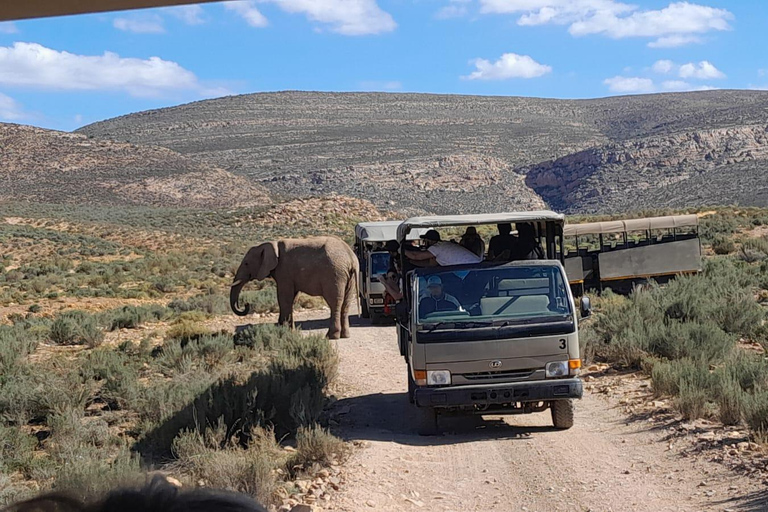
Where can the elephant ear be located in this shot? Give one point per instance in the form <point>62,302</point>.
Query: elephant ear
<point>268,260</point>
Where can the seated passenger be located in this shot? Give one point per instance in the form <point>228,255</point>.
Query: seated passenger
<point>392,285</point>
<point>472,241</point>
<point>500,246</point>
<point>441,253</point>
<point>437,300</point>
<point>527,247</point>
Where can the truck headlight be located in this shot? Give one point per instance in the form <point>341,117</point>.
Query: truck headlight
<point>438,378</point>
<point>557,369</point>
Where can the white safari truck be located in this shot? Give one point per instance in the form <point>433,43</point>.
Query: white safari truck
<point>370,241</point>
<point>493,337</point>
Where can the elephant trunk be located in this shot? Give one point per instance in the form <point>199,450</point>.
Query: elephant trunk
<point>234,296</point>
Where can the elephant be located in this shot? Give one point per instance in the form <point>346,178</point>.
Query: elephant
<point>318,266</point>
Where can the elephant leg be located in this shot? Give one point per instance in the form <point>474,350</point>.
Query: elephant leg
<point>285,298</point>
<point>345,317</point>
<point>336,303</point>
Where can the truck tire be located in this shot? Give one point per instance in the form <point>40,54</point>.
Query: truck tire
<point>427,417</point>
<point>364,311</point>
<point>562,414</point>
<point>375,316</point>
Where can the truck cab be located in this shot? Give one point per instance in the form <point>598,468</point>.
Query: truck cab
<point>496,337</point>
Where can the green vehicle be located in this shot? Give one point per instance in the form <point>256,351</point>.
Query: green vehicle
<point>495,337</point>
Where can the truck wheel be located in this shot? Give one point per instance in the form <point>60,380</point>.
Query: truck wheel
<point>562,414</point>
<point>375,317</point>
<point>427,421</point>
<point>364,311</point>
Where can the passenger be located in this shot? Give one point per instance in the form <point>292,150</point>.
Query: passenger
<point>441,253</point>
<point>392,247</point>
<point>391,285</point>
<point>527,248</point>
<point>500,246</point>
<point>472,241</point>
<point>437,300</point>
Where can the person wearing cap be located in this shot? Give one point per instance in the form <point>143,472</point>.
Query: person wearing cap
<point>473,241</point>
<point>437,299</point>
<point>441,253</point>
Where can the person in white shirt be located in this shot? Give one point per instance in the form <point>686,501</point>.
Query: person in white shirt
<point>441,253</point>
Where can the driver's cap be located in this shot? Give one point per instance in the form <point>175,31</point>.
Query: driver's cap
<point>434,281</point>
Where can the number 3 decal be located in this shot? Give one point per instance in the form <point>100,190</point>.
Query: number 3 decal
<point>562,344</point>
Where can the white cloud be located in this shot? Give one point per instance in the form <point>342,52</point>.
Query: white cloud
<point>33,65</point>
<point>374,85</point>
<point>663,66</point>
<point>10,110</point>
<point>189,14</point>
<point>762,72</point>
<point>673,25</point>
<point>140,24</point>
<point>455,9</point>
<point>704,70</point>
<point>248,11</point>
<point>8,27</point>
<point>510,65</point>
<point>676,85</point>
<point>674,41</point>
<point>347,17</point>
<point>78,118</point>
<point>629,84</point>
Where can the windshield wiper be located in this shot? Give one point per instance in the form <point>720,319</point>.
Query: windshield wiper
<point>460,325</point>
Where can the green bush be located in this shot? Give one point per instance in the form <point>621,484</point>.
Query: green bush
<point>756,411</point>
<point>131,317</point>
<point>314,445</point>
<point>722,245</point>
<point>76,328</point>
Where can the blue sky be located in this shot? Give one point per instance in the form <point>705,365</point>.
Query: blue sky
<point>65,72</point>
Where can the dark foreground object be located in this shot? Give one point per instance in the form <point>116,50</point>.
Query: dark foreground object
<point>157,496</point>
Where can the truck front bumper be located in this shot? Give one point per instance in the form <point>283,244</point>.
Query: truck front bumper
<point>499,394</point>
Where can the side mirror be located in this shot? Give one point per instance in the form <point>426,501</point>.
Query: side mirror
<point>586,307</point>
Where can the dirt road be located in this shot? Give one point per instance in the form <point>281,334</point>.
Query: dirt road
<point>518,463</point>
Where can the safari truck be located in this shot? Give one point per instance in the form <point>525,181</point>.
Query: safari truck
<point>509,346</point>
<point>622,254</point>
<point>370,241</point>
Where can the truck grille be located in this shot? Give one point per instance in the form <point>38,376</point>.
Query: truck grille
<point>507,374</point>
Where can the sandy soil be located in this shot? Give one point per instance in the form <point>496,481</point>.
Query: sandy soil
<point>606,462</point>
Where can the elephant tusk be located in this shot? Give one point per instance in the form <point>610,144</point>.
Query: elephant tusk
<point>236,283</point>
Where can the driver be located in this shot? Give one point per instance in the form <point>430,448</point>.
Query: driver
<point>437,300</point>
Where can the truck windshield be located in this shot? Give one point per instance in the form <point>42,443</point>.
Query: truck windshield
<point>379,263</point>
<point>492,296</point>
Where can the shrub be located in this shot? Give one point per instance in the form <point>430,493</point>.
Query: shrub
<point>756,411</point>
<point>722,245</point>
<point>130,317</point>
<point>221,463</point>
<point>76,328</point>
<point>691,401</point>
<point>17,450</point>
<point>86,477</point>
<point>314,444</point>
<point>186,331</point>
<point>730,401</point>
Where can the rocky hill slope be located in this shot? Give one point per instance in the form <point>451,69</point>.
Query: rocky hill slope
<point>443,153</point>
<point>49,166</point>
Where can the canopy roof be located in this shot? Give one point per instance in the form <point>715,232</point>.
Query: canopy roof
<point>24,9</point>
<point>620,226</point>
<point>439,221</point>
<point>383,231</point>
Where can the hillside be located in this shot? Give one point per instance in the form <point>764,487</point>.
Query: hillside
<point>48,166</point>
<point>445,153</point>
